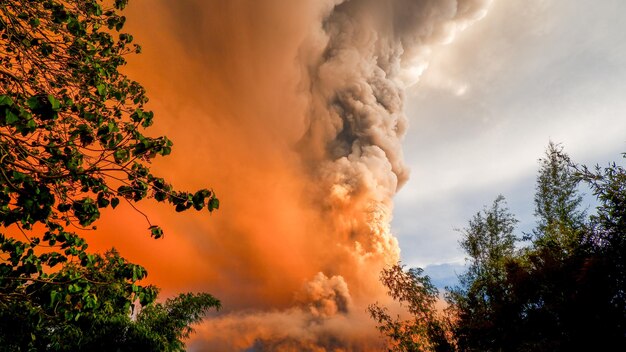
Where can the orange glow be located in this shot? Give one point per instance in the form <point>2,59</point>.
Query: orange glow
<point>296,249</point>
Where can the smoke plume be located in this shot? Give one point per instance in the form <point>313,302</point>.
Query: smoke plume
<point>293,112</point>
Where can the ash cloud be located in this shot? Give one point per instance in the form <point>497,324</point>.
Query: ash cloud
<point>297,248</point>
<point>286,331</point>
<point>359,64</point>
<point>326,297</point>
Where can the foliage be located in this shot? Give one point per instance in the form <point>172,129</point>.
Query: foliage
<point>172,321</point>
<point>489,241</point>
<point>426,330</point>
<point>48,319</point>
<point>557,201</point>
<point>489,238</point>
<point>72,144</point>
<point>605,267</point>
<point>565,291</point>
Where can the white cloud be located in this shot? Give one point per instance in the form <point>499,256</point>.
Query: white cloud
<point>532,72</point>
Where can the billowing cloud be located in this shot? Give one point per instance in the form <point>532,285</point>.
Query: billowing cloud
<point>293,112</point>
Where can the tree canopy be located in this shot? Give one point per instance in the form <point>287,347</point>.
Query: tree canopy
<point>72,142</point>
<point>489,241</point>
<point>557,201</point>
<point>562,291</point>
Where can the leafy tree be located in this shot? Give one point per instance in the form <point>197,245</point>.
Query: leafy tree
<point>545,278</point>
<point>565,291</point>
<point>525,300</point>
<point>489,238</point>
<point>170,322</point>
<point>72,142</point>
<point>109,287</point>
<point>472,323</point>
<point>425,330</point>
<point>557,202</point>
<point>490,243</point>
<point>604,269</point>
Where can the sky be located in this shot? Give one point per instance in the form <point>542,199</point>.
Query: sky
<point>343,136</point>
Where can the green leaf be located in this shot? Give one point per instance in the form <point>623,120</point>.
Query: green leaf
<point>182,207</point>
<point>137,115</point>
<point>101,89</point>
<point>125,37</point>
<point>214,204</point>
<point>86,211</point>
<point>56,105</point>
<point>5,101</point>
<point>34,22</point>
<point>114,202</point>
<point>148,119</point>
<point>126,191</point>
<point>160,196</point>
<point>75,27</point>
<point>120,4</point>
<point>33,103</point>
<point>198,199</point>
<point>54,296</point>
<point>74,288</point>
<point>11,118</point>
<point>121,155</point>
<point>156,231</point>
<point>27,128</point>
<point>102,202</point>
<point>120,23</point>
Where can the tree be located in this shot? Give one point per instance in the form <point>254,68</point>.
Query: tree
<point>524,300</point>
<point>604,270</point>
<point>490,243</point>
<point>546,278</point>
<point>567,287</point>
<point>105,324</point>
<point>473,317</point>
<point>426,330</point>
<point>557,202</point>
<point>565,291</point>
<point>72,142</point>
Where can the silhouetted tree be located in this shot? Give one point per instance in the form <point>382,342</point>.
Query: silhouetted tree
<point>565,291</point>
<point>603,271</point>
<point>557,283</point>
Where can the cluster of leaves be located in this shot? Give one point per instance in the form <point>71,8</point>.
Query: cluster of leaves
<point>564,290</point>
<point>70,122</point>
<point>72,144</point>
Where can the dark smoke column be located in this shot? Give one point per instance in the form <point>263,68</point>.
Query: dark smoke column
<point>366,54</point>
